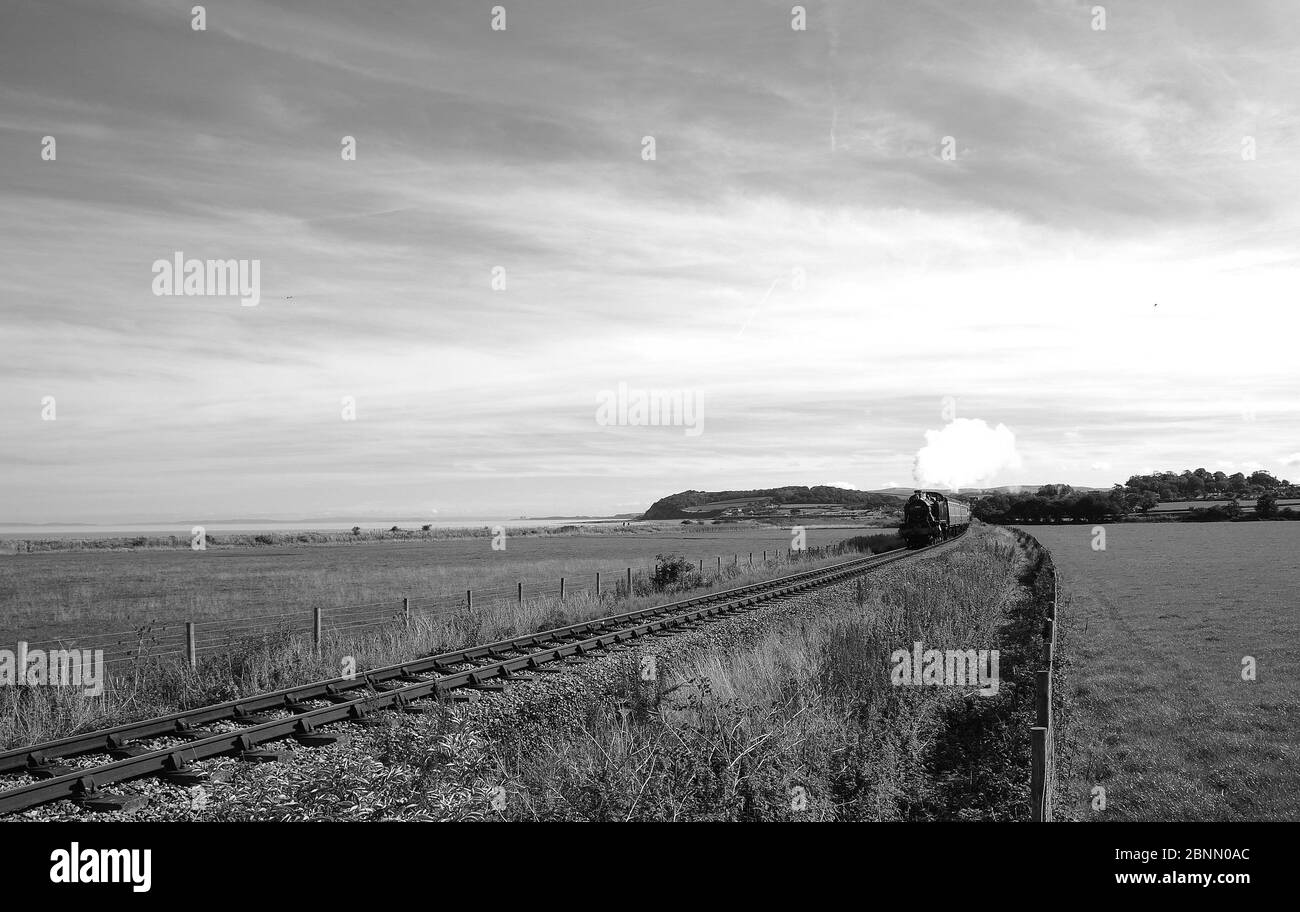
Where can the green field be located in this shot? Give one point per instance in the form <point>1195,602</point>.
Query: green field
<point>1177,506</point>
<point>71,594</point>
<point>1156,628</point>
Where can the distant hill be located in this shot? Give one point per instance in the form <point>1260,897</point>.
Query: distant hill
<point>763,501</point>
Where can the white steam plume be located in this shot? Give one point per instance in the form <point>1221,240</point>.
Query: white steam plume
<point>964,454</point>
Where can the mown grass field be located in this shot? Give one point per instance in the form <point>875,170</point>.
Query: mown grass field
<point>69,594</point>
<point>1156,628</point>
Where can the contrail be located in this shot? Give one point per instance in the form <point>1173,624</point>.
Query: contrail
<point>758,308</point>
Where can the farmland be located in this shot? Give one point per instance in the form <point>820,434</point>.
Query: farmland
<point>783,712</point>
<point>44,595</point>
<point>1247,504</point>
<point>1156,628</point>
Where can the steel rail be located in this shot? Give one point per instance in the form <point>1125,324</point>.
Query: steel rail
<point>582,638</point>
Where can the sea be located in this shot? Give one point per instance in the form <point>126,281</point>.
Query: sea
<point>153,529</point>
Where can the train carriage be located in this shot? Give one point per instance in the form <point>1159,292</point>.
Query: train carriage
<point>929,516</point>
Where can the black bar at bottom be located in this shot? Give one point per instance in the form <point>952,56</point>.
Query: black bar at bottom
<point>968,864</point>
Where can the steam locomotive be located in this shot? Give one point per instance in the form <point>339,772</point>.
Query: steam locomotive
<point>929,516</point>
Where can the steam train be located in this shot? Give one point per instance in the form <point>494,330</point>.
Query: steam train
<point>929,516</point>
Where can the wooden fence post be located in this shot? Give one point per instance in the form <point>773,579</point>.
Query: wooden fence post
<point>521,593</point>
<point>316,612</point>
<point>406,612</point>
<point>1043,707</point>
<point>1043,698</point>
<point>469,599</point>
<point>597,584</point>
<point>190,646</point>
<point>561,588</point>
<point>1038,773</point>
<point>629,582</point>
<point>719,563</point>
<point>1042,771</point>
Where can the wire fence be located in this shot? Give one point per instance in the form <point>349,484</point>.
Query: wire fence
<point>193,641</point>
<point>1042,771</point>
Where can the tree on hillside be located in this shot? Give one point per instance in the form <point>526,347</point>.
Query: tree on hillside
<point>1266,506</point>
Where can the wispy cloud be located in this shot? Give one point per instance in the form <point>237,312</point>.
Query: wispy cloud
<point>1097,175</point>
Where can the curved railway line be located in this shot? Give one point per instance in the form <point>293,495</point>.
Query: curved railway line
<point>290,713</point>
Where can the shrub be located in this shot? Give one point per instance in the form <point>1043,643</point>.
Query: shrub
<point>1223,513</point>
<point>670,570</point>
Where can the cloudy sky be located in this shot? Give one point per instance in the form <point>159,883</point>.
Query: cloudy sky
<point>1106,264</point>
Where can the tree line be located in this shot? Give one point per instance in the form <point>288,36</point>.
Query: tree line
<point>1199,484</point>
<point>1057,503</point>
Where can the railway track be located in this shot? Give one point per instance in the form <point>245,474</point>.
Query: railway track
<point>302,711</point>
